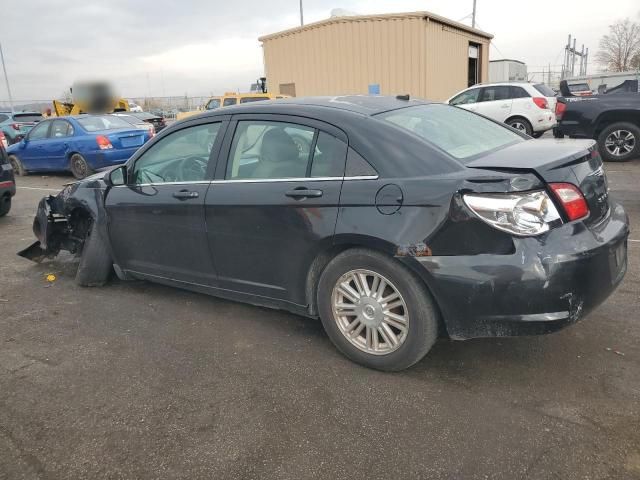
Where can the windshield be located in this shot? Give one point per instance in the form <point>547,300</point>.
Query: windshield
<point>96,123</point>
<point>27,117</point>
<point>544,90</point>
<point>459,133</point>
<point>213,104</point>
<point>252,99</point>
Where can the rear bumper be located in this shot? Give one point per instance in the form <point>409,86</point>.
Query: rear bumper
<point>544,121</point>
<point>106,158</point>
<point>573,129</point>
<point>548,283</point>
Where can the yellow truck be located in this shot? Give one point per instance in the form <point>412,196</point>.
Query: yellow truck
<point>90,97</point>
<point>228,99</point>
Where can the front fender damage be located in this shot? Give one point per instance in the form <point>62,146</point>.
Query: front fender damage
<point>62,222</point>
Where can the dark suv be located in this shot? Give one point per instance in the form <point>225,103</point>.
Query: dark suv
<point>7,183</point>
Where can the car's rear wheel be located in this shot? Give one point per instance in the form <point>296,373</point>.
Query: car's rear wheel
<point>537,134</point>
<point>95,262</point>
<point>17,166</point>
<point>521,124</point>
<point>79,166</point>
<point>5,205</point>
<point>619,142</point>
<point>376,311</point>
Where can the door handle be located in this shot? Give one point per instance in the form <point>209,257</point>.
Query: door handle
<point>302,192</point>
<point>185,195</point>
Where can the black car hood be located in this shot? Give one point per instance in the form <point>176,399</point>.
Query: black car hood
<point>543,154</point>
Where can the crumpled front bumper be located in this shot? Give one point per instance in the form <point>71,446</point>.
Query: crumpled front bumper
<point>50,228</point>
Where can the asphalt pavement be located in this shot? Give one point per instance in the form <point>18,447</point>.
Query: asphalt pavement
<point>141,381</point>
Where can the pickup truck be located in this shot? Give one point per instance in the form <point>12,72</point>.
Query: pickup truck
<point>612,119</point>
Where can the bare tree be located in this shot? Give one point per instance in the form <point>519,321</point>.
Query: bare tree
<point>620,48</point>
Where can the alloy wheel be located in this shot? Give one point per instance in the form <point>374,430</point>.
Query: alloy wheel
<point>519,126</point>
<point>370,312</point>
<point>620,142</point>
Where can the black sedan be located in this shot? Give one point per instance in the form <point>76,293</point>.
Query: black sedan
<point>392,220</point>
<point>158,122</point>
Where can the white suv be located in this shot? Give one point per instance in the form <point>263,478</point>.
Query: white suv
<point>529,107</point>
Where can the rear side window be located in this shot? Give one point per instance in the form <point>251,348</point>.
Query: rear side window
<point>358,166</point>
<point>460,133</point>
<point>27,117</point>
<point>544,90</point>
<point>328,156</point>
<point>229,101</point>
<point>61,128</point>
<point>519,92</point>
<point>498,92</point>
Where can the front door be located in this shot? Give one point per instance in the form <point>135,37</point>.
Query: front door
<point>156,221</point>
<point>275,204</point>
<point>32,153</point>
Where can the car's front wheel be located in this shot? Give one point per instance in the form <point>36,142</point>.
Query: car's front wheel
<point>376,311</point>
<point>619,142</point>
<point>79,166</point>
<point>95,264</point>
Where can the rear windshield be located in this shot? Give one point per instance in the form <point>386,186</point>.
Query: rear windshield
<point>544,90</point>
<point>27,117</point>
<point>252,99</point>
<point>143,115</point>
<point>459,133</point>
<point>579,87</point>
<point>96,123</point>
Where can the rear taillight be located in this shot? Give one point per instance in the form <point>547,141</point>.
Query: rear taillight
<point>523,214</point>
<point>572,200</point>
<point>560,109</point>
<point>103,142</point>
<point>541,102</point>
<point>15,126</point>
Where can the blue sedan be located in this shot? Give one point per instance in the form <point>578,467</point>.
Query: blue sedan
<point>80,144</point>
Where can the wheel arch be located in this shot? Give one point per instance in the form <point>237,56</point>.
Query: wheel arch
<point>606,119</point>
<point>518,116</point>
<point>342,244</point>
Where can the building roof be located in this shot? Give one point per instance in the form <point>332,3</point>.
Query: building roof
<point>387,16</point>
<point>507,60</point>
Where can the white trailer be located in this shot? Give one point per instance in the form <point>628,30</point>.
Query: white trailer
<point>605,81</point>
<point>507,70</point>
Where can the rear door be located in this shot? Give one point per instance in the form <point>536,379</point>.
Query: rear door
<point>156,221</point>
<point>274,204</point>
<point>57,146</point>
<point>495,102</point>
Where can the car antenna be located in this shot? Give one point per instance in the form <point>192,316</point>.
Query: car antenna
<point>403,97</point>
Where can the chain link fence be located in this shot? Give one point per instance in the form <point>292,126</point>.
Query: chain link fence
<point>167,106</point>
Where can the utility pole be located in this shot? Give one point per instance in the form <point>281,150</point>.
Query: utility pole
<point>6,79</point>
<point>473,15</point>
<point>302,16</point>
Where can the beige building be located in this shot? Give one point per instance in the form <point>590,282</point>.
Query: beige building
<point>419,53</point>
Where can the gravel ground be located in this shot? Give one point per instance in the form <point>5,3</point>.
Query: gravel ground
<point>135,380</point>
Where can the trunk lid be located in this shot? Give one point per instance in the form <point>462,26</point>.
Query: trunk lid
<point>567,161</point>
<point>120,139</point>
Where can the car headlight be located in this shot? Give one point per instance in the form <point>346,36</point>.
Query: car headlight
<point>524,214</point>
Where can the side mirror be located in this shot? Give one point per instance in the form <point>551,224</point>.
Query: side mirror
<point>117,176</point>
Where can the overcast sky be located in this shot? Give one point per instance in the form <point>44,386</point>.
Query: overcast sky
<point>203,47</point>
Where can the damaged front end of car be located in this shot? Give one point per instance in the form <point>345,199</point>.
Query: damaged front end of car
<point>63,221</point>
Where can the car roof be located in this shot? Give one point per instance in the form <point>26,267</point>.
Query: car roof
<point>361,104</point>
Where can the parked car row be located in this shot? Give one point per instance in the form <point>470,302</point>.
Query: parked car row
<point>15,126</point>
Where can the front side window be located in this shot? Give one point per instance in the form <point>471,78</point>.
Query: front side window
<point>492,94</point>
<point>182,156</point>
<point>469,96</point>
<point>229,101</point>
<point>39,131</point>
<point>252,99</point>
<point>60,129</point>
<point>460,133</point>
<point>213,104</point>
<point>269,150</point>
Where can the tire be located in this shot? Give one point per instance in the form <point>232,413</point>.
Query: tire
<point>95,265</point>
<point>557,133</point>
<point>5,205</point>
<point>17,166</point>
<point>537,134</point>
<point>79,166</point>
<point>421,315</point>
<point>520,124</point>
<point>619,142</point>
